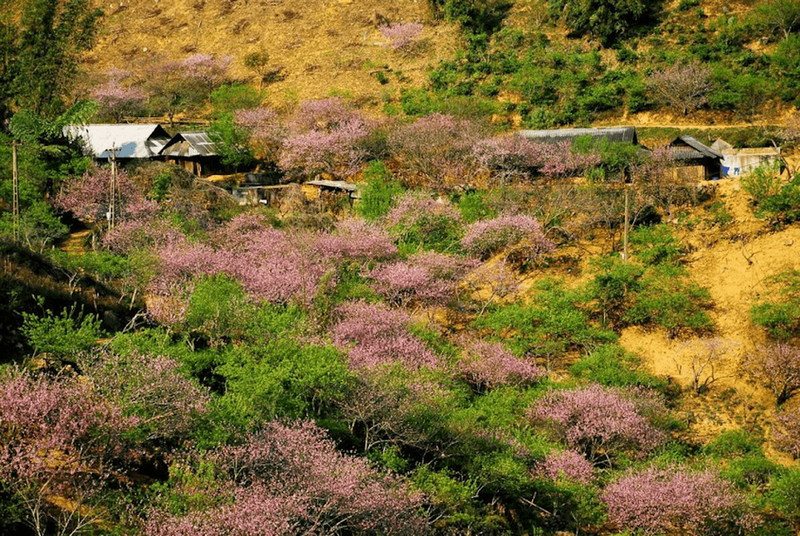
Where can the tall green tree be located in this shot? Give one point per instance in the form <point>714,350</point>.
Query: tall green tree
<point>40,54</point>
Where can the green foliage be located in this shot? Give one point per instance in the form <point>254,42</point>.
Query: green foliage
<point>656,244</point>
<point>612,366</point>
<point>478,16</point>
<point>751,472</point>
<point>785,494</point>
<point>43,45</point>
<point>686,5</point>
<point>473,206</point>
<point>379,192</point>
<point>662,295</point>
<point>218,311</point>
<point>608,20</point>
<point>669,300</point>
<point>61,336</point>
<point>228,98</point>
<point>779,313</point>
<point>553,323</point>
<point>773,199</point>
<point>230,142</point>
<point>734,444</point>
<point>613,287</point>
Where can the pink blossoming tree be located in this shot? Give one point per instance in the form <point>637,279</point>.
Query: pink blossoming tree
<point>487,237</point>
<point>291,480</point>
<point>567,465</point>
<point>600,422</point>
<point>374,334</point>
<point>487,365</point>
<point>676,500</point>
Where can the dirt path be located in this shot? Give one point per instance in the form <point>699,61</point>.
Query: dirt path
<point>76,242</point>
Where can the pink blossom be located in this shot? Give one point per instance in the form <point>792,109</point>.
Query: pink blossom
<point>356,239</point>
<point>601,421</point>
<point>291,480</point>
<point>374,334</point>
<point>403,35</point>
<point>568,465</point>
<point>778,366</point>
<point>786,432</point>
<point>427,279</point>
<point>437,147</point>
<point>489,365</point>
<point>486,237</point>
<point>674,500</point>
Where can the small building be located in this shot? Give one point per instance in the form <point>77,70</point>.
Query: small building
<point>194,152</point>
<point>695,160</point>
<point>615,134</point>
<point>128,141</point>
<point>737,162</point>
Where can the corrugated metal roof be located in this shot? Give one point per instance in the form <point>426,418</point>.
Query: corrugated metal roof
<point>133,141</point>
<point>189,144</point>
<point>620,134</point>
<point>705,150</point>
<point>339,185</point>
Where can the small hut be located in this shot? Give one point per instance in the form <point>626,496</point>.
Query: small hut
<point>736,162</point>
<point>694,159</point>
<point>194,152</point>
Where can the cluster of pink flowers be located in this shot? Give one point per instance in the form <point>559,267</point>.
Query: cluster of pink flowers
<point>486,237</point>
<point>560,160</point>
<point>437,146</point>
<point>163,401</point>
<point>567,465</point>
<point>374,334</point>
<point>509,156</point>
<point>600,422</point>
<point>89,196</point>
<point>265,128</point>
<point>778,366</point>
<point>418,210</point>
<point>356,239</point>
<point>118,100</point>
<point>786,432</point>
<point>427,279</point>
<point>402,35</point>
<point>325,136</point>
<point>489,365</point>
<point>292,480</point>
<point>675,500</point>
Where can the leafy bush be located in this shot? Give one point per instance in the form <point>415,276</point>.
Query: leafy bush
<point>779,313</point>
<point>669,301</point>
<point>656,245</point>
<point>785,494</point>
<point>549,326</point>
<point>735,444</point>
<point>418,221</point>
<point>773,199</point>
<point>608,20</point>
<point>610,365</point>
<point>379,193</point>
<point>61,336</point>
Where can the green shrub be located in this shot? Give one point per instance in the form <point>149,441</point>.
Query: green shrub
<point>473,206</point>
<point>61,336</point>
<point>228,98</point>
<point>612,366</point>
<point>779,313</point>
<point>553,323</point>
<point>773,199</point>
<point>669,300</point>
<point>751,472</point>
<point>785,494</point>
<point>734,444</point>
<point>613,288</point>
<point>379,193</point>
<point>656,244</point>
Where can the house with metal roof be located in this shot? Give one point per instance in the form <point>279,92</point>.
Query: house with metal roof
<point>128,141</point>
<point>617,134</point>
<point>194,152</point>
<point>695,159</point>
<point>736,162</point>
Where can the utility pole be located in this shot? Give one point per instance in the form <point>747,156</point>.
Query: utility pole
<point>627,223</point>
<point>112,200</point>
<point>15,188</point>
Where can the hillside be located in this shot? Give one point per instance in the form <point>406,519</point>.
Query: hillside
<point>322,47</point>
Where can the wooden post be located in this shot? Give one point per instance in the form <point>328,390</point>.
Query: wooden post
<point>112,200</point>
<point>15,194</point>
<point>625,232</point>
